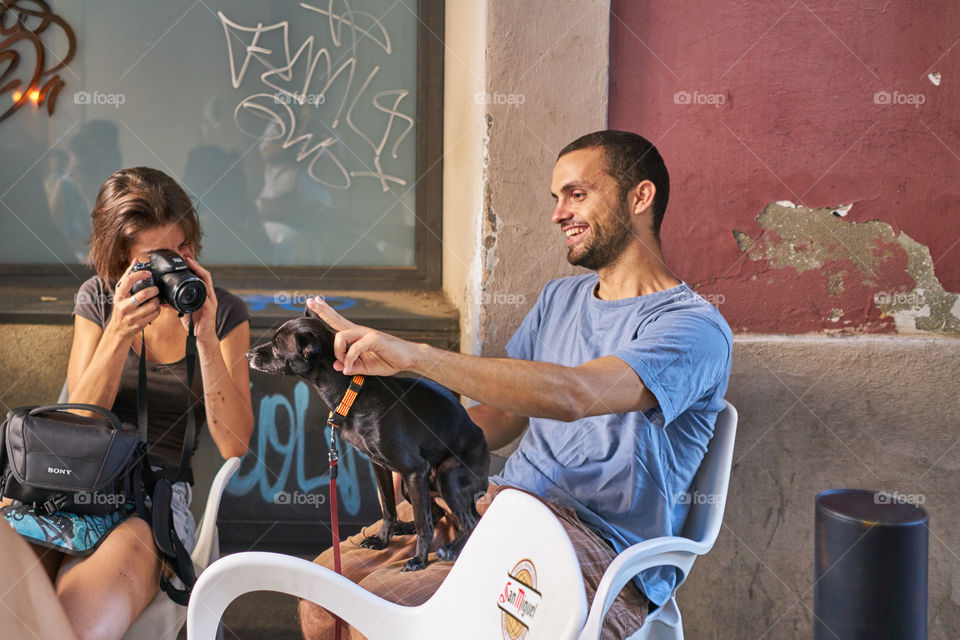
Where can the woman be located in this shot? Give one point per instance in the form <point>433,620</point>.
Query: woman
<point>138,211</point>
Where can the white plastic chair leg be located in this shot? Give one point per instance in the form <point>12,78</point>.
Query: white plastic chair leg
<point>665,623</point>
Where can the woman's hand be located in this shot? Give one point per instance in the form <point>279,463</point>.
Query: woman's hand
<point>204,318</point>
<point>133,312</point>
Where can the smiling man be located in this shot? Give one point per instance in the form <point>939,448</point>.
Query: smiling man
<point>618,374</point>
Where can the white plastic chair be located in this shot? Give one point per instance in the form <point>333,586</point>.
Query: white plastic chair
<point>515,528</point>
<point>708,498</point>
<point>163,618</point>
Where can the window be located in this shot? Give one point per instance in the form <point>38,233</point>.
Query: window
<point>308,134</point>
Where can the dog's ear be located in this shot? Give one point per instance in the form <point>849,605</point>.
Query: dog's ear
<point>310,313</point>
<point>307,345</point>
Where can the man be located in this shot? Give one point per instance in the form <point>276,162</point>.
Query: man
<point>620,374</point>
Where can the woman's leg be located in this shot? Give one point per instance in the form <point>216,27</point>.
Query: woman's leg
<point>49,559</point>
<point>104,593</point>
<point>28,605</point>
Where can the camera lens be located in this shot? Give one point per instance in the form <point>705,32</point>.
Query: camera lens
<point>179,287</point>
<point>190,295</point>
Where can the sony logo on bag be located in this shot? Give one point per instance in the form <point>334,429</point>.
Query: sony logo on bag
<point>59,471</point>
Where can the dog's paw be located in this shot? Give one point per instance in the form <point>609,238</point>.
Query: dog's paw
<point>403,528</point>
<point>414,564</point>
<point>448,552</point>
<point>372,542</point>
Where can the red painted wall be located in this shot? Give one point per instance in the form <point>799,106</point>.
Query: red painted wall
<point>778,101</point>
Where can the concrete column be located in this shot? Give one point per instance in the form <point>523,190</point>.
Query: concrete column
<point>522,80</point>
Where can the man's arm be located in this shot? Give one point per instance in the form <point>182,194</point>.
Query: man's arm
<point>500,428</point>
<point>522,387</point>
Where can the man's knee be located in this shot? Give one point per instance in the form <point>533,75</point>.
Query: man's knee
<point>315,622</point>
<point>325,559</point>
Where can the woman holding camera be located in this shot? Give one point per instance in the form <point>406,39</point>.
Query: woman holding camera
<point>140,211</point>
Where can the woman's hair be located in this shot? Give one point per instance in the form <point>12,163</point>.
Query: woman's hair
<point>131,201</point>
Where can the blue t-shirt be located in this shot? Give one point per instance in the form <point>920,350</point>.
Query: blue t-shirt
<point>625,474</point>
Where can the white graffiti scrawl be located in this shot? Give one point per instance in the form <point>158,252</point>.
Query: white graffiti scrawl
<point>298,105</point>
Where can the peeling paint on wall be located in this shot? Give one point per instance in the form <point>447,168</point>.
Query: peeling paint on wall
<point>927,307</point>
<point>853,258</point>
<point>806,239</point>
<point>488,230</point>
<point>488,234</point>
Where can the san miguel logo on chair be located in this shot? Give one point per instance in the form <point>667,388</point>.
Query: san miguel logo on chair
<point>519,601</point>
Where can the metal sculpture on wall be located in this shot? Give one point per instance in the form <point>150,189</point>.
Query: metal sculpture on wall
<point>23,23</point>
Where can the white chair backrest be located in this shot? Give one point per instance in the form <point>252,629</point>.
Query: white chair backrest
<point>708,493</point>
<point>510,581</point>
<point>510,575</point>
<point>207,548</point>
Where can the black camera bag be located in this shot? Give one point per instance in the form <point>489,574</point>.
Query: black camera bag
<point>103,467</point>
<point>60,461</point>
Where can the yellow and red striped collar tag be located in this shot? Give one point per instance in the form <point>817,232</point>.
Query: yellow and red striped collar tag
<point>337,416</point>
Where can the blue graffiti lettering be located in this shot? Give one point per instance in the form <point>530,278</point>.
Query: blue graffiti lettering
<point>294,451</point>
<point>292,301</point>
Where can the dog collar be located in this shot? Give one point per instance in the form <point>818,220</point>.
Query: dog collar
<point>338,415</point>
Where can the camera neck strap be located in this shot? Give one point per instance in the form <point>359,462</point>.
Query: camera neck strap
<point>190,433</point>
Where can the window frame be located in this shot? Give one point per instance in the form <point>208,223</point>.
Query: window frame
<point>425,274</point>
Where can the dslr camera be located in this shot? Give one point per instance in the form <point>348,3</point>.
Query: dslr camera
<point>179,286</point>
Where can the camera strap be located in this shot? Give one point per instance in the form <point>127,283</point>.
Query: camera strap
<point>142,390</point>
<point>159,486</point>
<point>190,432</point>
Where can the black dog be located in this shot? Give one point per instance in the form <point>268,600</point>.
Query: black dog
<point>410,426</point>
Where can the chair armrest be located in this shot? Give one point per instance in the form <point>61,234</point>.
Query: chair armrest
<point>667,550</point>
<point>207,531</point>
<point>231,576</point>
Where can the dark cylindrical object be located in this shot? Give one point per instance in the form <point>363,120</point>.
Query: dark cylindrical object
<point>870,576</point>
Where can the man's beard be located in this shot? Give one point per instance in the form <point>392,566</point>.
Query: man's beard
<point>608,242</point>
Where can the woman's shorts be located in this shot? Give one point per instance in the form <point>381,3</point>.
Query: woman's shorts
<point>80,534</point>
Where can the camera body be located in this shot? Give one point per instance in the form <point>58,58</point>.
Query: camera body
<point>179,286</point>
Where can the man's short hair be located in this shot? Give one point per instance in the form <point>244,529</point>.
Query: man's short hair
<point>631,159</point>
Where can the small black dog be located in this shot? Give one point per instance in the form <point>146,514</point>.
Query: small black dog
<point>411,426</point>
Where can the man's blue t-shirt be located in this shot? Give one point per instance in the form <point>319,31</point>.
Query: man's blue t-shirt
<point>625,474</point>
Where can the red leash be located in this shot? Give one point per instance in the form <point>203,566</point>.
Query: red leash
<point>334,519</point>
<point>335,421</point>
